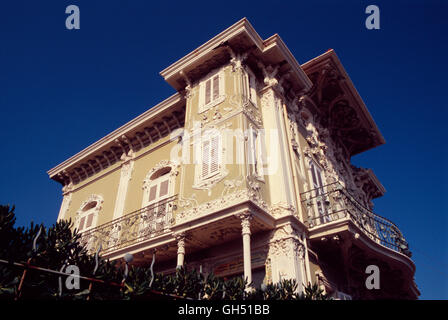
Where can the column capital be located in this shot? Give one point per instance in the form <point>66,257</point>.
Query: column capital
<point>180,238</point>
<point>245,218</point>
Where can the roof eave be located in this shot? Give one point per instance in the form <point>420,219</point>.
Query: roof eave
<point>111,137</point>
<point>331,54</point>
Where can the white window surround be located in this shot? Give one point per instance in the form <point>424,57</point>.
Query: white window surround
<point>251,92</point>
<point>211,90</point>
<point>255,153</point>
<point>151,181</point>
<point>212,157</point>
<point>87,215</point>
<point>317,179</point>
<point>159,185</point>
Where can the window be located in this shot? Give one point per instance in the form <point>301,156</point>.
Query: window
<point>210,156</point>
<point>87,214</point>
<point>211,91</point>
<point>159,186</point>
<point>255,152</point>
<point>318,187</point>
<point>251,87</point>
<point>157,202</point>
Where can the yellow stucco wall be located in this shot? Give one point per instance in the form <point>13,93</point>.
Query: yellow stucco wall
<point>106,182</point>
<point>143,163</point>
<point>105,185</point>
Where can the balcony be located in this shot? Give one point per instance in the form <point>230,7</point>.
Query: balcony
<point>131,229</point>
<point>331,203</point>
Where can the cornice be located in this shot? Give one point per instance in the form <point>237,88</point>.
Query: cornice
<point>243,27</point>
<point>109,139</point>
<point>319,61</point>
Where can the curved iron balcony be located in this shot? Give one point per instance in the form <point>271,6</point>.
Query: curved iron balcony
<point>130,229</point>
<point>333,202</point>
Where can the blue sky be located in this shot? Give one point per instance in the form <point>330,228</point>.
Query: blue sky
<point>61,90</point>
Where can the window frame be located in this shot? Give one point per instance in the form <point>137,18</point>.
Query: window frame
<point>84,216</point>
<point>251,87</point>
<point>148,183</point>
<point>209,139</point>
<point>318,184</point>
<point>203,106</point>
<point>255,153</point>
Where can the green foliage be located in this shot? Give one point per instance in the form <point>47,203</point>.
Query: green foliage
<point>313,292</point>
<point>58,245</point>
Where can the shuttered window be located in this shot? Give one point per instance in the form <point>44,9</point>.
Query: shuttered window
<point>152,193</point>
<point>215,87</point>
<point>255,155</point>
<point>81,224</point>
<point>252,89</point>
<point>318,187</point>
<point>89,220</point>
<point>252,152</point>
<point>159,189</point>
<point>210,157</point>
<point>87,217</point>
<point>211,92</point>
<point>163,188</point>
<point>208,87</point>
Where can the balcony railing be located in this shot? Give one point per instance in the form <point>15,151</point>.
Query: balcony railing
<point>131,229</point>
<point>333,202</point>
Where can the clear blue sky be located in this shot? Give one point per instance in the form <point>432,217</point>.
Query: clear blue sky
<point>62,90</point>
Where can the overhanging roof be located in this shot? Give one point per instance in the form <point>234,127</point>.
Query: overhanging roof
<point>110,139</point>
<point>240,37</point>
<point>329,76</point>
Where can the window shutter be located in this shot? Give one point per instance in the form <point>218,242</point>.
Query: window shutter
<point>246,86</point>
<point>81,223</point>
<point>214,155</point>
<point>253,89</point>
<point>319,178</point>
<point>313,175</point>
<point>252,150</point>
<point>152,193</point>
<point>205,158</point>
<point>163,188</point>
<point>215,87</point>
<point>208,91</point>
<point>259,154</point>
<point>89,220</point>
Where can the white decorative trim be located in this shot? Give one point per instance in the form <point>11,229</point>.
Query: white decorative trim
<point>125,176</point>
<point>202,107</point>
<point>66,201</point>
<point>172,178</point>
<point>99,205</point>
<point>162,164</point>
<point>208,183</point>
<point>110,138</point>
<point>282,209</point>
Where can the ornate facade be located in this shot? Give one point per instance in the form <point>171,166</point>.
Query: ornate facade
<point>244,171</point>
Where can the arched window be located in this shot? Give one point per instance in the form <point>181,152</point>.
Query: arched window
<point>87,215</point>
<point>159,183</point>
<point>158,190</point>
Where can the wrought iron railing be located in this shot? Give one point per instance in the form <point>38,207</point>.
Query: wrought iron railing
<point>131,229</point>
<point>333,202</point>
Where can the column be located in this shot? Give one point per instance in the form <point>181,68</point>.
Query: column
<point>180,250</point>
<point>125,177</point>
<point>247,258</point>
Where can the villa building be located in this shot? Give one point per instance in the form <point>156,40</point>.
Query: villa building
<point>245,170</point>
